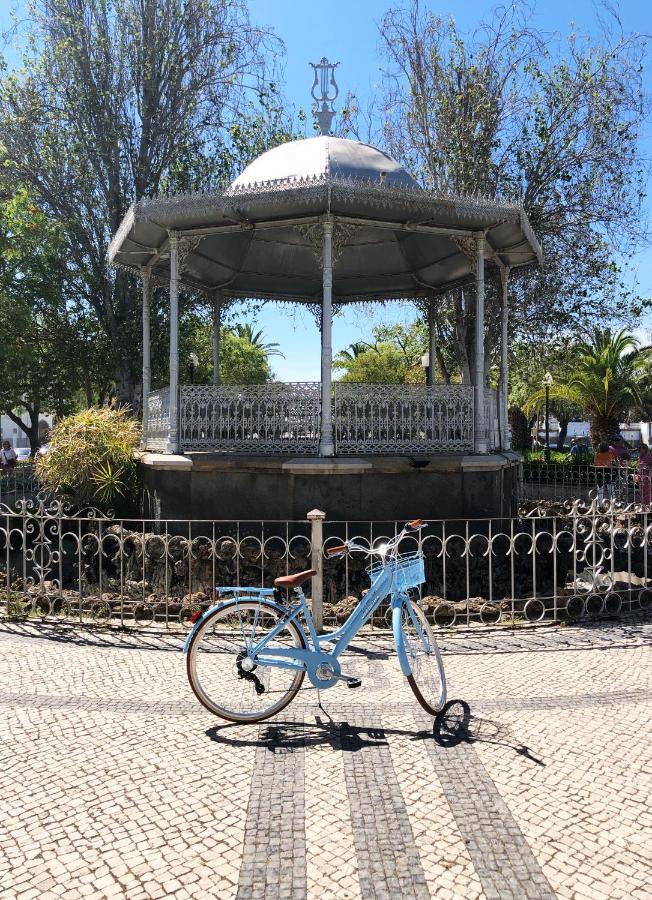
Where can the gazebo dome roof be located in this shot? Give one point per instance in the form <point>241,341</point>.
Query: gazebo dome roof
<point>263,235</point>
<point>324,157</point>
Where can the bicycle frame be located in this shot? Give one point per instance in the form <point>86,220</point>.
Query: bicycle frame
<point>310,658</point>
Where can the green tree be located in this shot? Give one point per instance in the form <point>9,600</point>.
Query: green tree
<point>393,358</point>
<point>354,350</point>
<point>118,100</point>
<point>512,115</point>
<point>608,382</point>
<point>241,360</point>
<point>256,338</point>
<point>44,355</point>
<point>529,362</point>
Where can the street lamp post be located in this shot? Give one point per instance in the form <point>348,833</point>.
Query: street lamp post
<point>547,381</point>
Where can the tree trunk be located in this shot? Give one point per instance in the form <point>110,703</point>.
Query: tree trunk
<point>563,431</point>
<point>88,387</point>
<point>31,429</point>
<point>521,437</point>
<point>603,428</point>
<point>118,326</point>
<point>445,374</point>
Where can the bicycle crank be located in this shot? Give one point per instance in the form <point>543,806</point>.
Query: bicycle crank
<point>326,672</point>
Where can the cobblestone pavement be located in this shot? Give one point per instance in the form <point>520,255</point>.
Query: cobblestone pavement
<point>114,782</point>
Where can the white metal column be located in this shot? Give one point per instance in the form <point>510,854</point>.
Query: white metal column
<point>504,361</point>
<point>173,434</point>
<point>217,325</point>
<point>479,424</point>
<point>432,340</point>
<point>326,444</point>
<point>147,370</point>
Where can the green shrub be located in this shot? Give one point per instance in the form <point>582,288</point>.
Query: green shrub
<point>92,458</point>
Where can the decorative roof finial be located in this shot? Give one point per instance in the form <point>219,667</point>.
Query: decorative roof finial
<point>324,82</point>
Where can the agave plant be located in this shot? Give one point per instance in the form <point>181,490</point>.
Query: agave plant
<point>92,457</point>
<point>609,381</point>
<point>109,482</point>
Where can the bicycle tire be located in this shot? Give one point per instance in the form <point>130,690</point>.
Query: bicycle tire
<point>427,678</point>
<point>226,676</point>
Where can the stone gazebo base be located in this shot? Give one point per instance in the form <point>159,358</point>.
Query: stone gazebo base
<point>212,486</point>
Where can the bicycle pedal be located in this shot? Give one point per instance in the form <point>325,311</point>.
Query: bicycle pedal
<point>353,682</point>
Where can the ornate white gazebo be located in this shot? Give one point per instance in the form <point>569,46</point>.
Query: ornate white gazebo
<point>322,221</point>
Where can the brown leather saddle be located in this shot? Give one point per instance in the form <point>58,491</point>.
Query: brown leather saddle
<point>294,581</point>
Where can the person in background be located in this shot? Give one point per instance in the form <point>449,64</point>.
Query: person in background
<point>579,452</point>
<point>644,472</point>
<point>604,462</point>
<point>7,456</point>
<point>619,449</point>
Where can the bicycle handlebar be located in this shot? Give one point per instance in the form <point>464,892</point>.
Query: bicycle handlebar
<point>387,549</point>
<point>337,551</point>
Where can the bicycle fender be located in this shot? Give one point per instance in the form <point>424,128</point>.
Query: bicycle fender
<point>191,633</point>
<point>397,605</point>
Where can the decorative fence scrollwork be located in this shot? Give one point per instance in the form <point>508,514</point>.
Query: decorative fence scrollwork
<point>555,561</point>
<point>259,418</point>
<point>403,418</point>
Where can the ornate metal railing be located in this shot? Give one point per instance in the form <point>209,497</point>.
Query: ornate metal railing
<point>259,418</point>
<point>158,405</point>
<point>403,418</point>
<point>285,418</point>
<point>553,562</point>
<point>492,418</point>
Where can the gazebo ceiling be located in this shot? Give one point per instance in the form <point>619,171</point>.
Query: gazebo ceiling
<point>261,236</point>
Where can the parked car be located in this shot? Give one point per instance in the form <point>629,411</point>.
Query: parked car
<point>23,454</point>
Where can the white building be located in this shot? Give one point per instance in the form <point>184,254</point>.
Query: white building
<point>9,431</point>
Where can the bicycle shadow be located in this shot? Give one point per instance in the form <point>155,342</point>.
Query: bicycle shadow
<point>284,737</point>
<point>456,724</point>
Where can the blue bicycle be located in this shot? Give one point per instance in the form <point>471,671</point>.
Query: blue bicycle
<point>248,657</point>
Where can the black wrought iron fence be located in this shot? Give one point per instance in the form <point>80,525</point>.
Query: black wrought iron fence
<point>17,483</point>
<point>554,481</point>
<point>555,561</point>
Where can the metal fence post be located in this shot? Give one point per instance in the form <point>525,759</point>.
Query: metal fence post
<point>316,518</point>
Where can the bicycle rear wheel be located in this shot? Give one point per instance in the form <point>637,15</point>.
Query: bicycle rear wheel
<point>220,673</point>
<point>427,678</point>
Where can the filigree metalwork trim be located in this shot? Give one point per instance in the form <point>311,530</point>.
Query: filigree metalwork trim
<point>158,423</point>
<point>186,246</point>
<point>403,419</point>
<point>469,248</point>
<point>314,234</point>
<point>259,418</point>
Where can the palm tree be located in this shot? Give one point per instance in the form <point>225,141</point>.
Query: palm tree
<point>353,351</point>
<point>256,339</point>
<point>609,381</point>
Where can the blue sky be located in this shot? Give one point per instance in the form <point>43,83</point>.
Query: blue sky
<point>347,31</point>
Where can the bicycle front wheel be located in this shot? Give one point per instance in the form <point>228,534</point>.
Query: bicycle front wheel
<point>220,673</point>
<point>426,678</point>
